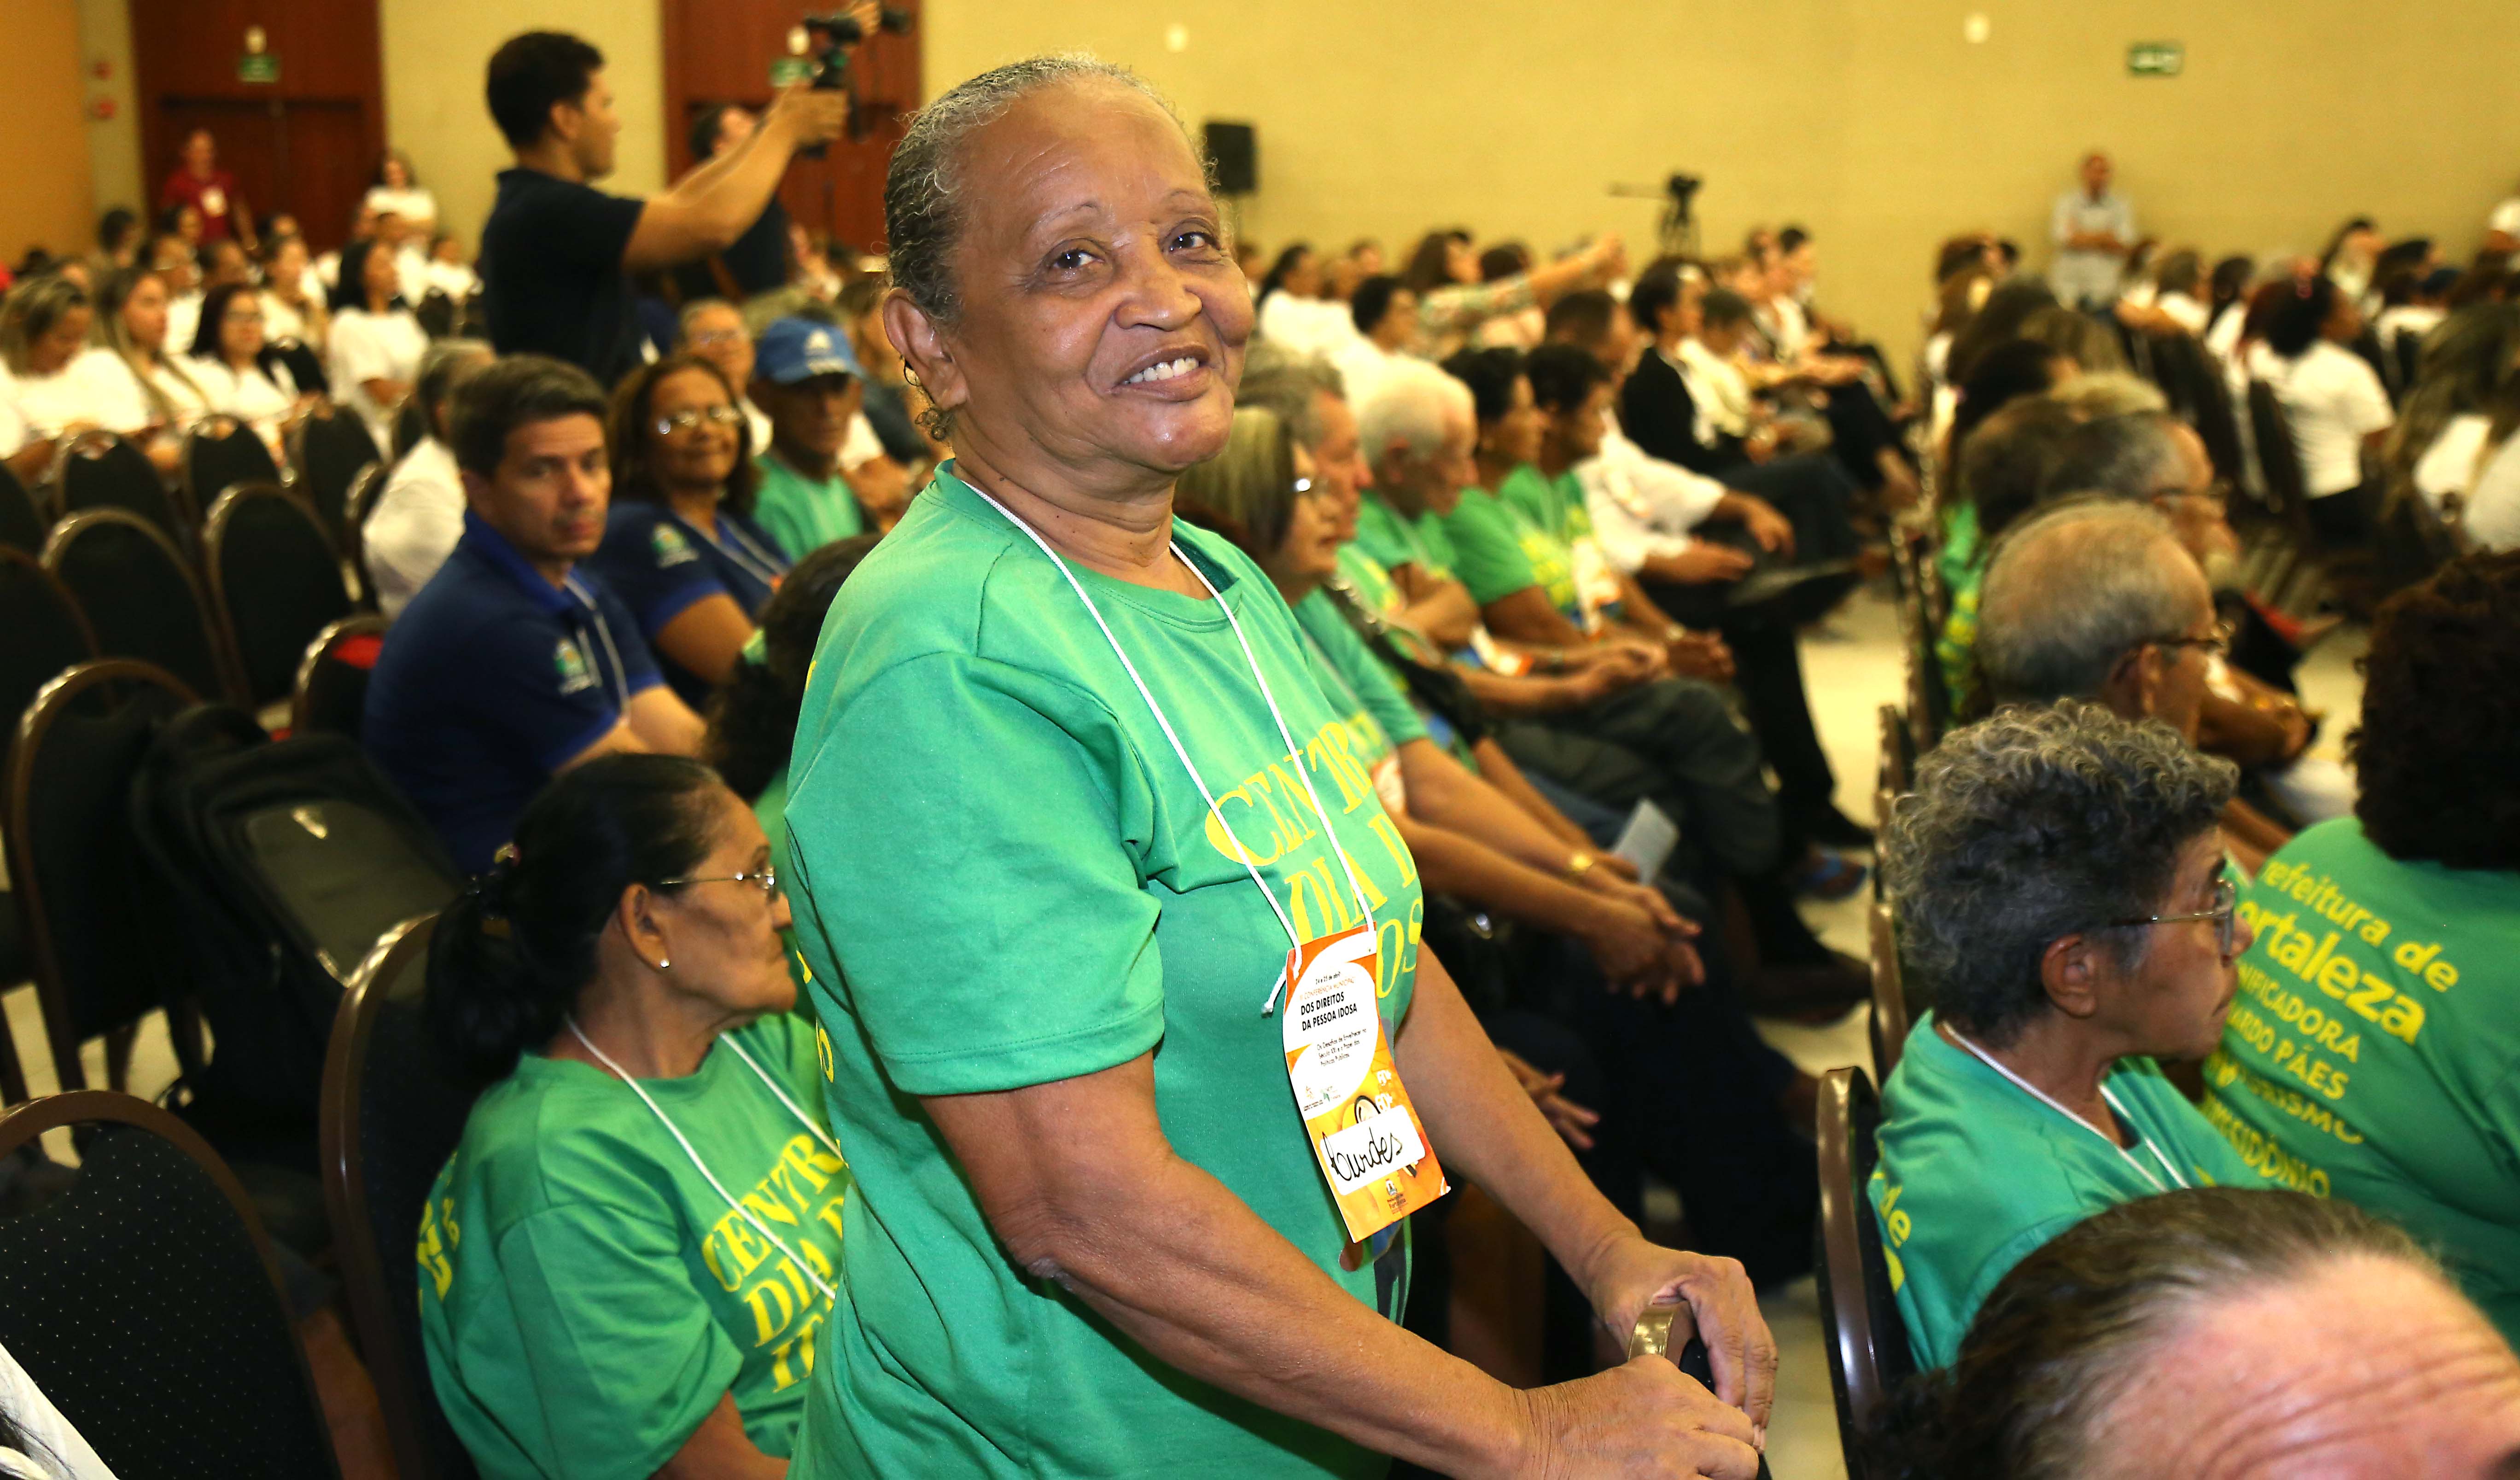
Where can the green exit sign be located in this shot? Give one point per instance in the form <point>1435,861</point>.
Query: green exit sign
<point>258,67</point>
<point>2156,58</point>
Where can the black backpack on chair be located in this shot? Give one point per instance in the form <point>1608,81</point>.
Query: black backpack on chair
<point>280,865</point>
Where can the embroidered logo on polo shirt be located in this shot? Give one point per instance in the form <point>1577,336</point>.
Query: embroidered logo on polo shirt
<point>671,547</point>
<point>575,672</point>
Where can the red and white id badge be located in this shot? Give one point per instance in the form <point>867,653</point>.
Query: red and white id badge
<point>1364,1133</point>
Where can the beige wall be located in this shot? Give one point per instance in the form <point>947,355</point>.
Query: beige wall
<point>1874,122</point>
<point>44,188</point>
<point>436,53</point>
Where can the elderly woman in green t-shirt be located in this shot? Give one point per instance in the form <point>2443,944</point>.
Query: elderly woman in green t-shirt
<point>628,1263</point>
<point>2063,900</point>
<point>1059,816</point>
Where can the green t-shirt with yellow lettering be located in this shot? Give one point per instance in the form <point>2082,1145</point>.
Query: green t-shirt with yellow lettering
<point>586,1298</point>
<point>2374,1052</point>
<point>1004,877</point>
<point>1499,548</point>
<point>1379,718</point>
<point>1975,1174</point>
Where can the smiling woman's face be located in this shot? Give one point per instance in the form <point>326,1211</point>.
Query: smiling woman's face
<point>1103,319</point>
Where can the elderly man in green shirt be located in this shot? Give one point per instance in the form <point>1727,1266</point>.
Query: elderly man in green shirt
<point>807,379</point>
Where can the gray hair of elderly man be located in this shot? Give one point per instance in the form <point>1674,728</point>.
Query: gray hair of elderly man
<point>2071,590</point>
<point>2036,824</point>
<point>2109,394</point>
<point>1406,405</point>
<point>1290,384</point>
<point>2134,455</point>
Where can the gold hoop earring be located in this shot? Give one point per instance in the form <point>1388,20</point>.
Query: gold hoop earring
<point>910,377</point>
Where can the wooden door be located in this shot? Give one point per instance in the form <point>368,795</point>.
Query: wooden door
<point>305,141</point>
<point>722,51</point>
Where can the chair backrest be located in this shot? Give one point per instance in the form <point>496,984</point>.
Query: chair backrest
<point>274,583</point>
<point>2279,459</point>
<point>144,1302</point>
<point>139,596</point>
<point>221,452</point>
<point>390,1118</point>
<point>1889,993</point>
<point>42,632</point>
<point>332,693</point>
<point>21,514</point>
<point>326,448</point>
<point>1866,1337</point>
<point>358,504</point>
<point>2406,352</point>
<point>75,863</point>
<point>1898,762</point>
<point>97,469</point>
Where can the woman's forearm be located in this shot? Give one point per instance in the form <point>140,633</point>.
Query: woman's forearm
<point>1455,797</point>
<point>1067,1172</point>
<point>1468,869</point>
<point>1497,770</point>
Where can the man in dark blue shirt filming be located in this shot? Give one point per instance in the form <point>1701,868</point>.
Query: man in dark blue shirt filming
<point>557,253</point>
<point>511,666</point>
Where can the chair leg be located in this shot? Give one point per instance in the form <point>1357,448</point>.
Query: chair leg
<point>13,1074</point>
<point>118,1055</point>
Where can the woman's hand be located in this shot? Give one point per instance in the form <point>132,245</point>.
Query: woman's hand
<point>1685,968</point>
<point>1702,654</point>
<point>1630,1273</point>
<point>1643,1417</point>
<point>1571,1121</point>
<point>1633,950</point>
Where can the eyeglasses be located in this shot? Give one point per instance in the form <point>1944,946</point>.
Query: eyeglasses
<point>2219,645</point>
<point>713,336</point>
<point>685,421</point>
<point>2225,916</point>
<point>767,881</point>
<point>2215,495</point>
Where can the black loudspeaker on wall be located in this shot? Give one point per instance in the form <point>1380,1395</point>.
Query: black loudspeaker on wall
<point>1235,149</point>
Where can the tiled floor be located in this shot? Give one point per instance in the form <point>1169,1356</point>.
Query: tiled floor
<point>1852,668</point>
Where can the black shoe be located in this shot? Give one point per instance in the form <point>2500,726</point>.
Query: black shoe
<point>1832,829</point>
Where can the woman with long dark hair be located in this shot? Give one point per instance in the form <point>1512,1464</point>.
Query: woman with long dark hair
<point>376,343</point>
<point>2334,400</point>
<point>680,546</point>
<point>238,370</point>
<point>628,1261</point>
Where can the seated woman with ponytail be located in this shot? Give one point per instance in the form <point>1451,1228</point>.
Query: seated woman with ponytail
<point>628,1262</point>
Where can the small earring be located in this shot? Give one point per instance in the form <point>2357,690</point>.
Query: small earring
<point>910,377</point>
<point>665,965</point>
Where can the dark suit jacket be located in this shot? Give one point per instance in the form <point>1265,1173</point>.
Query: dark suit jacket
<point>1658,415</point>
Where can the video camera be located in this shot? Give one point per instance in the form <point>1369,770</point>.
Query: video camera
<point>830,35</point>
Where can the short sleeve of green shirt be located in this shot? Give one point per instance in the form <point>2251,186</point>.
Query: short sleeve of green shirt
<point>1357,672</point>
<point>1488,554</point>
<point>1019,859</point>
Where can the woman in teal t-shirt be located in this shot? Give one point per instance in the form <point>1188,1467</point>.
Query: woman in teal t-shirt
<point>1057,821</point>
<point>632,1257</point>
<point>2059,881</point>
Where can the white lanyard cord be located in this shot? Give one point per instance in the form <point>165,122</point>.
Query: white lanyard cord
<point>2041,1096</point>
<point>1241,853</point>
<point>772,1085</point>
<point>754,561</point>
<point>657,1110</point>
<point>620,674</point>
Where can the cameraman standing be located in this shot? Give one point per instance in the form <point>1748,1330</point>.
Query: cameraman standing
<point>556,254</point>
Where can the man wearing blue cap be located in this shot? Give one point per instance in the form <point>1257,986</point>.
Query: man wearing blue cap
<point>806,377</point>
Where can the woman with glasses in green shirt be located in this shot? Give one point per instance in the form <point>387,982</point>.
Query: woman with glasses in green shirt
<point>2062,899</point>
<point>628,1264</point>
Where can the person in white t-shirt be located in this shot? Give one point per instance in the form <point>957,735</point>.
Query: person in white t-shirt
<point>2334,400</point>
<point>145,393</point>
<point>237,371</point>
<point>1384,314</point>
<point>1292,313</point>
<point>2471,372</point>
<point>46,382</point>
<point>2093,228</point>
<point>447,272</point>
<point>419,514</point>
<point>292,312</point>
<point>36,1442</point>
<point>377,343</point>
<point>395,188</point>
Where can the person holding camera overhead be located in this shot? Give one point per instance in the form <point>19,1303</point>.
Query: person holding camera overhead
<point>557,253</point>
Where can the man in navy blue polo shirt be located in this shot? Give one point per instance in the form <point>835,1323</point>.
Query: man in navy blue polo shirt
<point>508,666</point>
<point>557,253</point>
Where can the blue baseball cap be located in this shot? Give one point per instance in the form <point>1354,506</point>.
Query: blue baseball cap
<point>790,350</point>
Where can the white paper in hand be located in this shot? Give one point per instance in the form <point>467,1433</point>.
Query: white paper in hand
<point>1646,840</point>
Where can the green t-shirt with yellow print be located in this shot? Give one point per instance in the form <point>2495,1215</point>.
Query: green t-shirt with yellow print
<point>1501,549</point>
<point>1004,877</point>
<point>586,1298</point>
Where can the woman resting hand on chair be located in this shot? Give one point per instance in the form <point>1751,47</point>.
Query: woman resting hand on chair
<point>627,1262</point>
<point>2062,899</point>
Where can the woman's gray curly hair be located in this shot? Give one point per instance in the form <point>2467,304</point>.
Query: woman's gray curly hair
<point>2036,824</point>
<point>923,205</point>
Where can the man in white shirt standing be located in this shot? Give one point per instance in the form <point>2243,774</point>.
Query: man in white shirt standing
<point>2092,227</point>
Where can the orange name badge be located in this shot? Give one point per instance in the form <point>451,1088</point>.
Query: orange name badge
<point>1365,1132</point>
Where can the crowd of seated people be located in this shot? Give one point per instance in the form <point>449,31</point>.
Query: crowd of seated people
<point>1549,529</point>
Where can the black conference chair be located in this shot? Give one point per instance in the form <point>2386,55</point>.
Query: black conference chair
<point>139,596</point>
<point>332,693</point>
<point>145,1302</point>
<point>392,1116</point>
<point>97,469</point>
<point>22,516</point>
<point>77,869</point>
<point>1889,994</point>
<point>2278,456</point>
<point>305,366</point>
<point>274,583</point>
<point>364,490</point>
<point>326,448</point>
<point>1866,1337</point>
<point>44,634</point>
<point>219,453</point>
